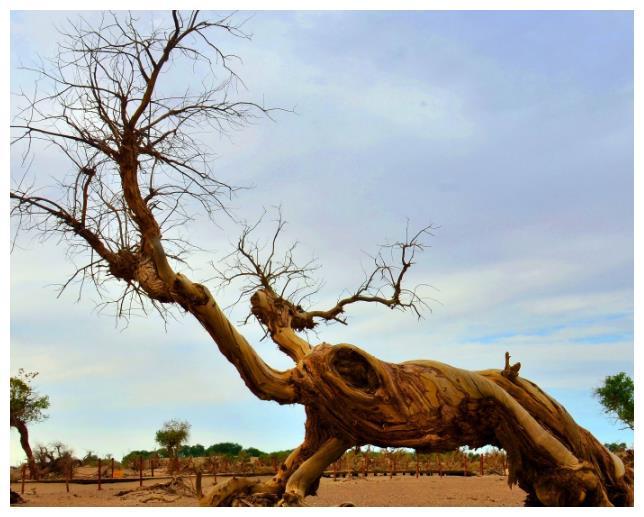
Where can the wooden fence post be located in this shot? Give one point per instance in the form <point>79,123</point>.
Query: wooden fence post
<point>481,464</point>
<point>24,473</point>
<point>99,474</point>
<point>140,470</point>
<point>198,483</point>
<point>112,468</point>
<point>68,472</point>
<point>464,465</point>
<point>417,467</point>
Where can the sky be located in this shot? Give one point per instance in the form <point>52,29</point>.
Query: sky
<point>512,132</point>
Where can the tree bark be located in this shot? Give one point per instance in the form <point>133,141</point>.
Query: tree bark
<point>352,398</point>
<point>24,443</point>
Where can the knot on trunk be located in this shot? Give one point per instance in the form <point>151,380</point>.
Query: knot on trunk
<point>277,313</point>
<point>148,278</point>
<point>355,370</point>
<point>189,292</point>
<point>132,265</point>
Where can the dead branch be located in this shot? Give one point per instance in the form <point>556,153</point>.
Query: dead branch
<point>390,265</point>
<point>260,270</point>
<point>138,167</point>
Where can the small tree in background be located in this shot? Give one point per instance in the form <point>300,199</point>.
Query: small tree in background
<point>171,436</point>
<point>254,452</point>
<point>55,459</point>
<point>224,448</point>
<point>26,406</point>
<point>617,397</point>
<point>90,459</point>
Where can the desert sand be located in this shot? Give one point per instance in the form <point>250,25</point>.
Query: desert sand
<point>491,490</point>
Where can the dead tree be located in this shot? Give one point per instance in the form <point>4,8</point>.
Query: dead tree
<point>137,171</point>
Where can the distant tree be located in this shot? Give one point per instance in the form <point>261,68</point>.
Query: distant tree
<point>253,452</point>
<point>224,448</point>
<point>55,459</point>
<point>90,459</point>
<point>615,446</point>
<point>617,397</point>
<point>281,454</point>
<point>132,457</point>
<point>197,451</point>
<point>172,435</point>
<point>26,406</point>
<point>192,451</point>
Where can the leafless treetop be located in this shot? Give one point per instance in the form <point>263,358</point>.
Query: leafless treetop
<point>106,101</point>
<point>137,167</point>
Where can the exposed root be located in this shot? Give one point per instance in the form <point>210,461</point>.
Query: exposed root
<point>160,492</point>
<point>160,499</point>
<point>309,472</point>
<point>240,492</point>
<point>291,499</point>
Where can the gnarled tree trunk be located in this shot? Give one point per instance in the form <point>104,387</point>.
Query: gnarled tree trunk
<point>137,162</point>
<point>352,398</point>
<point>24,443</point>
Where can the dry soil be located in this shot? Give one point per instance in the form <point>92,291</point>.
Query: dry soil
<point>373,491</point>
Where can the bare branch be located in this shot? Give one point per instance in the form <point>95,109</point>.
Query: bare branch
<point>254,265</point>
<point>390,266</point>
<point>277,286</point>
<point>139,169</point>
<point>137,166</point>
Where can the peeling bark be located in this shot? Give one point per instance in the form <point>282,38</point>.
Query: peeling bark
<point>357,399</point>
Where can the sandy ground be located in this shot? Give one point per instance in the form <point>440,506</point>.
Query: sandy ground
<point>373,491</point>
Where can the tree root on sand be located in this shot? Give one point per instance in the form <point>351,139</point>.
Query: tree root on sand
<point>160,492</point>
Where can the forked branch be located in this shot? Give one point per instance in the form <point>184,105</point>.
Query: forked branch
<point>136,163</point>
<point>278,286</point>
<point>385,283</point>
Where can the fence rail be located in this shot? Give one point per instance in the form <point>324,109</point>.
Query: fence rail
<point>363,467</point>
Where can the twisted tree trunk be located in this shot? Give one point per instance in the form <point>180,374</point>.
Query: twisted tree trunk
<point>24,443</point>
<point>137,163</point>
<point>430,406</point>
<point>353,398</point>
